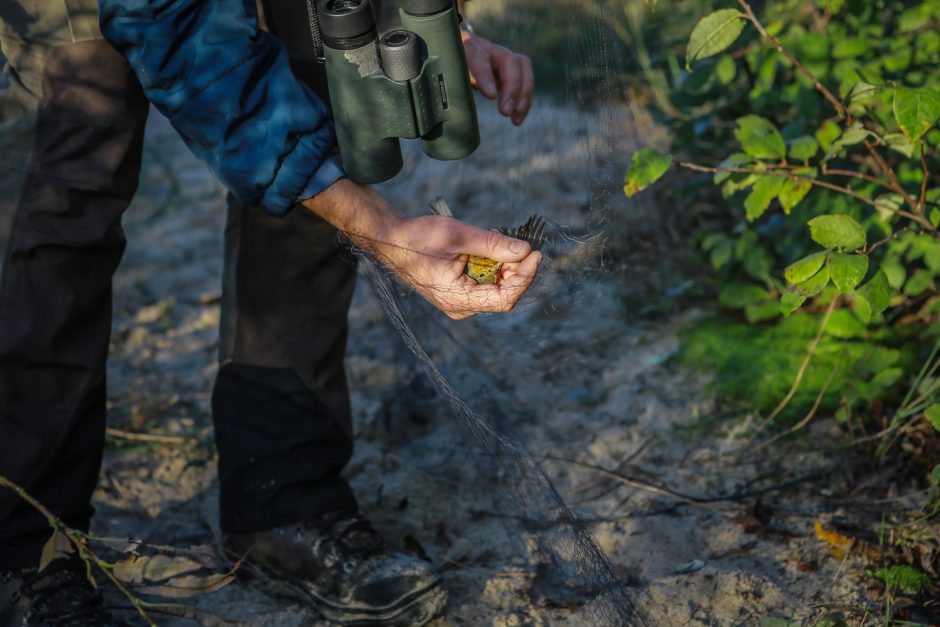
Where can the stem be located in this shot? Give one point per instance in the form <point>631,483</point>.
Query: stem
<point>798,177</point>
<point>890,238</point>
<point>810,351</point>
<point>863,176</point>
<point>77,539</point>
<point>922,199</point>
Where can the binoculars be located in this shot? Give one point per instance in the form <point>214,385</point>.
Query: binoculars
<point>409,83</point>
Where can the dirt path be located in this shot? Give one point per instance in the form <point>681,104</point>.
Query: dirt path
<point>586,383</point>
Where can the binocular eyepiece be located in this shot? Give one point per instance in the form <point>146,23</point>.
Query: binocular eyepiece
<point>410,83</point>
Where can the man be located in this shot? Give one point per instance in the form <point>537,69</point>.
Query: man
<point>280,403</point>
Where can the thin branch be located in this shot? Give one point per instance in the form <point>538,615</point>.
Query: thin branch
<point>922,199</point>
<point>861,175</point>
<point>807,418</point>
<point>798,177</point>
<point>76,538</point>
<point>890,238</point>
<point>828,95</point>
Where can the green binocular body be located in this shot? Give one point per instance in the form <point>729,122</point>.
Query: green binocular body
<point>411,83</point>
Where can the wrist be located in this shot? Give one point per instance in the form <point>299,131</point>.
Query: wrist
<point>358,212</point>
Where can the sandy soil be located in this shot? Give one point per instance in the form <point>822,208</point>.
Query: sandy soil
<point>581,379</point>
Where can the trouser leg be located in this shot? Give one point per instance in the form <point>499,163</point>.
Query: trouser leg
<point>281,403</point>
<point>55,292</point>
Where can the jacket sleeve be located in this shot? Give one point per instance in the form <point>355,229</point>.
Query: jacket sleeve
<point>227,88</point>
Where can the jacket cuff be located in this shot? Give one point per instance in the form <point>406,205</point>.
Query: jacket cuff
<point>294,185</point>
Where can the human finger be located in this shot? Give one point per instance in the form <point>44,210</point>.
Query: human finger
<point>525,95</point>
<point>510,79</point>
<point>480,66</point>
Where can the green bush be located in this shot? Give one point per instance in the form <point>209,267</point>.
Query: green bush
<point>810,127</point>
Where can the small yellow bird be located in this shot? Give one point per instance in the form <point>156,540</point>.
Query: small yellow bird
<point>483,270</point>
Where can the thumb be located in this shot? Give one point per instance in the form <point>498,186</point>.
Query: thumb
<point>493,245</point>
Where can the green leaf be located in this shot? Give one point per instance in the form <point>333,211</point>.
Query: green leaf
<point>647,167</point>
<point>935,475</point>
<point>873,297</point>
<point>714,33</point>
<point>845,325</point>
<point>758,312</point>
<point>804,268</point>
<point>862,91</point>
<point>793,192</point>
<point>887,378</point>
<point>765,190</point>
<point>888,205</point>
<point>740,295</point>
<point>815,284</point>
<point>736,160</point>
<point>899,142</point>
<point>916,110</point>
<point>827,134</point>
<point>851,136</point>
<point>790,302</point>
<point>760,138</point>
<point>848,48</point>
<point>919,283</point>
<point>933,416</point>
<point>935,216</point>
<point>847,271</point>
<point>902,577</point>
<point>726,69</point>
<point>803,148</point>
<point>837,231</point>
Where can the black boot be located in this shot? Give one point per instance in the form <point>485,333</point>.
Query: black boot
<point>59,596</point>
<point>346,571</point>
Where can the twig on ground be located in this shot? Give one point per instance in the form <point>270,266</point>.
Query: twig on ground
<point>145,437</point>
<point>77,538</point>
<point>664,490</point>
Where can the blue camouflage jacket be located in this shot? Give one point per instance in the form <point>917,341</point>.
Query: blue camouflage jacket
<point>227,88</point>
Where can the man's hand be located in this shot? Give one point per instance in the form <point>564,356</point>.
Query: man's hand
<point>430,253</point>
<point>498,71</point>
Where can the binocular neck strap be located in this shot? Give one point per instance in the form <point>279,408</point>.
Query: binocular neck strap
<point>313,21</point>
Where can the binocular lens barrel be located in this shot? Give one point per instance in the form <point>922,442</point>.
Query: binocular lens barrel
<point>426,7</point>
<point>346,24</point>
<point>401,55</point>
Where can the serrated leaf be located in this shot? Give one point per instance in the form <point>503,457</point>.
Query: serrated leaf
<point>804,268</point>
<point>58,546</point>
<point>847,271</point>
<point>837,231</point>
<point>916,110</point>
<point>792,193</point>
<point>873,297</point>
<point>647,167</point>
<point>815,284</point>
<point>933,416</point>
<point>714,33</point>
<point>765,190</point>
<point>790,302</point>
<point>899,142</point>
<point>760,138</point>
<point>803,148</point>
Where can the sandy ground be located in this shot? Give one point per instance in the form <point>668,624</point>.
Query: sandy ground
<point>581,379</point>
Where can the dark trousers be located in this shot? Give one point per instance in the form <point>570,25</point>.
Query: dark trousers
<point>280,403</point>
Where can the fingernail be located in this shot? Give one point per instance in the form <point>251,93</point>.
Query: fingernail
<point>509,105</point>
<point>489,88</point>
<point>517,246</point>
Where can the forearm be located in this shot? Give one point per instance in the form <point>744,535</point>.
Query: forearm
<point>358,212</point>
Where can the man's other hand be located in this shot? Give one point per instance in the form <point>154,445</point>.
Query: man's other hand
<point>498,71</point>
